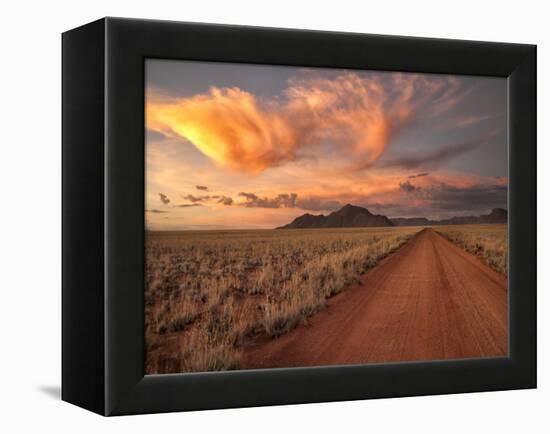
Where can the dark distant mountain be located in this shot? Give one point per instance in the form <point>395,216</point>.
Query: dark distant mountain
<point>349,216</point>
<point>497,215</point>
<point>412,221</point>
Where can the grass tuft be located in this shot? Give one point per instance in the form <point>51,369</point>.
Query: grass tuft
<point>488,242</point>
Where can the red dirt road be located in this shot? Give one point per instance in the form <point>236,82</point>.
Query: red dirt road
<point>430,300</point>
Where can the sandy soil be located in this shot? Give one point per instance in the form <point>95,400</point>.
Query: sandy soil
<point>430,300</point>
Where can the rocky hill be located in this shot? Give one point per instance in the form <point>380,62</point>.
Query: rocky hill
<point>349,216</point>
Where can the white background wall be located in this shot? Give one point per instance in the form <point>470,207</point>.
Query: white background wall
<point>30,216</point>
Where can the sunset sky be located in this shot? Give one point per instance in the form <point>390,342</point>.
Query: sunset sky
<point>253,146</point>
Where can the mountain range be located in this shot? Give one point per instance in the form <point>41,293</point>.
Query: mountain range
<point>497,215</point>
<point>351,216</point>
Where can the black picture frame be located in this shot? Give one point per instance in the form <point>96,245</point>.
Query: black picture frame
<point>103,216</point>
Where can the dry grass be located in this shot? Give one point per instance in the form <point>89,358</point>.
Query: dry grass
<point>209,293</point>
<point>489,242</point>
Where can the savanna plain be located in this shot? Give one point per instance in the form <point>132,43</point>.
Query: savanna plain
<point>239,299</point>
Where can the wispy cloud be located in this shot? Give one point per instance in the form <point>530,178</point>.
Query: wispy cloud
<point>201,187</point>
<point>195,199</point>
<point>225,200</point>
<point>407,187</point>
<point>156,211</point>
<point>188,205</point>
<point>439,155</point>
<point>283,200</point>
<point>358,114</point>
<point>164,199</point>
<point>418,175</point>
<point>198,200</point>
<point>450,197</point>
<point>461,121</point>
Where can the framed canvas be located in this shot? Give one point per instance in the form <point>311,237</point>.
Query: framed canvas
<point>257,216</point>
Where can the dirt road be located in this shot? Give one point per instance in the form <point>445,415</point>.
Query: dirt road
<point>430,300</point>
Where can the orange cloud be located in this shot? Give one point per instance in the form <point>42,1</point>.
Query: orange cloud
<point>357,114</point>
<point>228,126</point>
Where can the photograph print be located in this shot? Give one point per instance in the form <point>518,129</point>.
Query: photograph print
<point>302,217</point>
